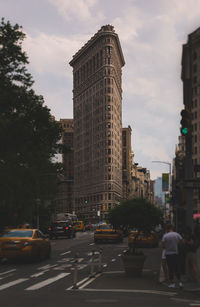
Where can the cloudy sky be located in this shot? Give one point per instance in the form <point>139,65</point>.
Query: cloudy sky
<point>151,33</point>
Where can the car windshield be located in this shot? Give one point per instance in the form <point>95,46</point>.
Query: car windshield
<point>105,227</point>
<point>18,234</point>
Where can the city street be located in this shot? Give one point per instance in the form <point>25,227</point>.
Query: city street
<point>50,282</point>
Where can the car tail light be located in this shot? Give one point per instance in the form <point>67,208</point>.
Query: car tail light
<point>66,227</point>
<point>49,228</point>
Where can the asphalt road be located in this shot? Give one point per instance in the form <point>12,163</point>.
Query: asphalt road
<point>50,283</point>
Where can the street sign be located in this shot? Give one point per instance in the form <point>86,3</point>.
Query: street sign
<point>165,182</point>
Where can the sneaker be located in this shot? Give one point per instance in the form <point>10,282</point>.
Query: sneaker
<point>180,284</point>
<point>171,286</point>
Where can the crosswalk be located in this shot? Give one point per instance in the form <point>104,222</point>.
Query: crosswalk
<point>42,276</point>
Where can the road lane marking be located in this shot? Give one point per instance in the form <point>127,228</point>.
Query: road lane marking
<point>79,283</point>
<point>39,274</point>
<point>91,244</point>
<point>189,301</point>
<point>46,267</point>
<point>119,255</point>
<point>62,267</point>
<point>12,283</point>
<point>65,253</point>
<point>113,260</point>
<point>89,281</point>
<point>8,272</point>
<point>113,272</point>
<point>6,276</point>
<point>80,267</point>
<point>129,291</point>
<point>47,282</point>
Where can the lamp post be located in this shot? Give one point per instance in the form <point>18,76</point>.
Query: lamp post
<point>169,188</point>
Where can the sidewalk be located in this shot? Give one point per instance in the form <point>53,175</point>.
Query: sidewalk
<point>147,283</point>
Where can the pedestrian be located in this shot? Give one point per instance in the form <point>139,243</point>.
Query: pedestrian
<point>164,265</point>
<point>170,242</point>
<point>191,245</point>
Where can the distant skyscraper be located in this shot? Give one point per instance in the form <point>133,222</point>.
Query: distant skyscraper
<point>97,99</point>
<point>159,194</point>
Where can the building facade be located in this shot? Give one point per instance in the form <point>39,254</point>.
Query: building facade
<point>65,195</point>
<point>97,105</point>
<point>191,100</point>
<point>127,161</point>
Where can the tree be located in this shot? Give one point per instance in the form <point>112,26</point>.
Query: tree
<point>137,214</point>
<point>29,135</point>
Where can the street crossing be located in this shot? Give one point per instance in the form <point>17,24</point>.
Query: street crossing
<point>59,269</point>
<point>44,275</point>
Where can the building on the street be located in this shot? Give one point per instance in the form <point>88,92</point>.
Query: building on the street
<point>136,179</point>
<point>127,161</point>
<point>97,104</point>
<point>191,99</point>
<point>178,189</point>
<point>65,195</point>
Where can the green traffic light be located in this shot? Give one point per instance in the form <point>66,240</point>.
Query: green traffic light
<point>184,131</point>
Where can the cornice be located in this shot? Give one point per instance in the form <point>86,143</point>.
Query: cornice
<point>104,31</point>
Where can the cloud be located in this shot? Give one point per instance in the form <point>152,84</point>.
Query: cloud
<point>81,10</point>
<point>51,53</point>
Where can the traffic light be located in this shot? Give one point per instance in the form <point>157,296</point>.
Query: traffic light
<point>185,122</point>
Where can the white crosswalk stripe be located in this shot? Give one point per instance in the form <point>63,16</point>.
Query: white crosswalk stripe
<point>7,272</point>
<point>65,253</point>
<point>46,282</point>
<point>46,267</point>
<point>12,283</point>
<point>39,274</point>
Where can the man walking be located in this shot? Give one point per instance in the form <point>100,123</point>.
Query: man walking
<point>170,242</point>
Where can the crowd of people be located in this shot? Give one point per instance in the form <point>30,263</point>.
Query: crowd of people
<point>179,254</point>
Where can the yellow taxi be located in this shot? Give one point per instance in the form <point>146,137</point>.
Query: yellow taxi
<point>24,243</point>
<point>106,232</point>
<point>143,240</point>
<point>79,225</point>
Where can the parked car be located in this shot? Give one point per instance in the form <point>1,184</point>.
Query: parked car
<point>61,229</point>
<point>24,243</point>
<point>79,225</point>
<point>143,240</point>
<point>106,232</point>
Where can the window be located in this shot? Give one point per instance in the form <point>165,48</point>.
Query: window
<point>194,55</point>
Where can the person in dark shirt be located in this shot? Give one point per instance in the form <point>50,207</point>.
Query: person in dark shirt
<point>191,245</point>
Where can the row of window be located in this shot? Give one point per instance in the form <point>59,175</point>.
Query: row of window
<point>84,201</point>
<point>103,57</point>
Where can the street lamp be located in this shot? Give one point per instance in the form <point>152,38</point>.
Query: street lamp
<point>168,163</point>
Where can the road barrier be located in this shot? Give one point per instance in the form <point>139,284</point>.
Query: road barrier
<point>75,272</point>
<point>96,260</point>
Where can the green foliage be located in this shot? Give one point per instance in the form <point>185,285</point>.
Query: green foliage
<point>28,135</point>
<point>137,214</point>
